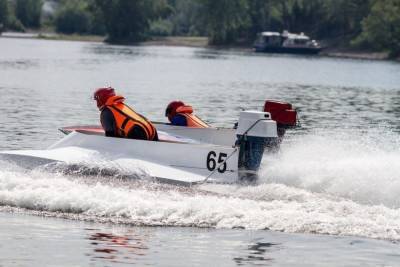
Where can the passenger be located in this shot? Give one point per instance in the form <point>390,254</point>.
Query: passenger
<point>119,120</point>
<point>180,114</point>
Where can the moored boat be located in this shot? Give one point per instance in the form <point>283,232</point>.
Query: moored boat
<point>275,42</point>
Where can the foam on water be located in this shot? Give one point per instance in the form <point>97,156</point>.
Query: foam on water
<point>363,166</point>
<point>324,183</point>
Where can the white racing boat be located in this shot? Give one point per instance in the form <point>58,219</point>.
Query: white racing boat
<point>182,155</point>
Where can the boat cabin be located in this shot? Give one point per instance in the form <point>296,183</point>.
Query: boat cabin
<point>270,39</point>
<point>286,42</point>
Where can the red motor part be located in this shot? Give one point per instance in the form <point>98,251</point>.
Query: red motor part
<point>281,112</point>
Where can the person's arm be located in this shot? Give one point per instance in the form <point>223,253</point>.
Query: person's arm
<point>108,122</point>
<point>179,120</point>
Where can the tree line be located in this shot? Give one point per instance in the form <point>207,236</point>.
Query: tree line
<point>368,24</point>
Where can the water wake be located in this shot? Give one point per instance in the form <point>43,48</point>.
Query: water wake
<point>340,184</point>
<point>358,165</point>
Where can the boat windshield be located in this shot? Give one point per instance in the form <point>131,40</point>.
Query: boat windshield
<point>271,40</point>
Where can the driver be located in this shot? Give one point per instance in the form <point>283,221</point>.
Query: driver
<point>119,120</point>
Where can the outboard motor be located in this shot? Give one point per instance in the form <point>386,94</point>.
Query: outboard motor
<point>284,115</point>
<point>254,132</point>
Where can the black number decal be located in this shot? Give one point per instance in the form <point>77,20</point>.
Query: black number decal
<point>221,158</point>
<point>212,163</point>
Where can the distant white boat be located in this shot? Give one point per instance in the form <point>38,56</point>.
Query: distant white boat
<point>275,42</point>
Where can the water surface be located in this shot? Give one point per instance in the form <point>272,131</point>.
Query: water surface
<point>330,197</point>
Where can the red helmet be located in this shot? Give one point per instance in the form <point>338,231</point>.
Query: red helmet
<point>170,112</point>
<point>102,94</point>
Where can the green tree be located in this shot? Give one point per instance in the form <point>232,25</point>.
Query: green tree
<point>4,14</point>
<point>264,15</point>
<point>318,18</point>
<point>29,12</point>
<point>97,24</point>
<point>161,27</point>
<point>73,17</point>
<point>226,20</point>
<point>186,18</point>
<point>129,21</point>
<point>343,17</point>
<point>381,29</point>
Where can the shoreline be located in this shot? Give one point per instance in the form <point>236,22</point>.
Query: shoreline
<point>353,54</point>
<point>200,42</point>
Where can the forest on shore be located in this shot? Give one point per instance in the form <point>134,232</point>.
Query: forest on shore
<point>370,25</point>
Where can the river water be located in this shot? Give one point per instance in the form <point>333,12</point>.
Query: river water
<point>329,198</point>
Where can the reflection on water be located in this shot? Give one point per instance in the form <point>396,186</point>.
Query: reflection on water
<point>116,248</point>
<point>259,253</point>
<point>57,242</point>
<point>211,54</point>
<point>18,64</point>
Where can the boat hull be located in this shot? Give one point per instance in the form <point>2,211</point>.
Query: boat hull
<point>287,50</point>
<point>184,154</point>
<point>181,162</point>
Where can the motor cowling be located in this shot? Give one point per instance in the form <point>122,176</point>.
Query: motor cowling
<point>283,113</point>
<point>255,132</point>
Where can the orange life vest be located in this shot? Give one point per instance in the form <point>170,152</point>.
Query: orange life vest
<point>126,118</point>
<point>191,119</point>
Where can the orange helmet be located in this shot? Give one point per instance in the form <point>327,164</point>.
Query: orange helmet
<point>102,94</point>
<point>170,112</point>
